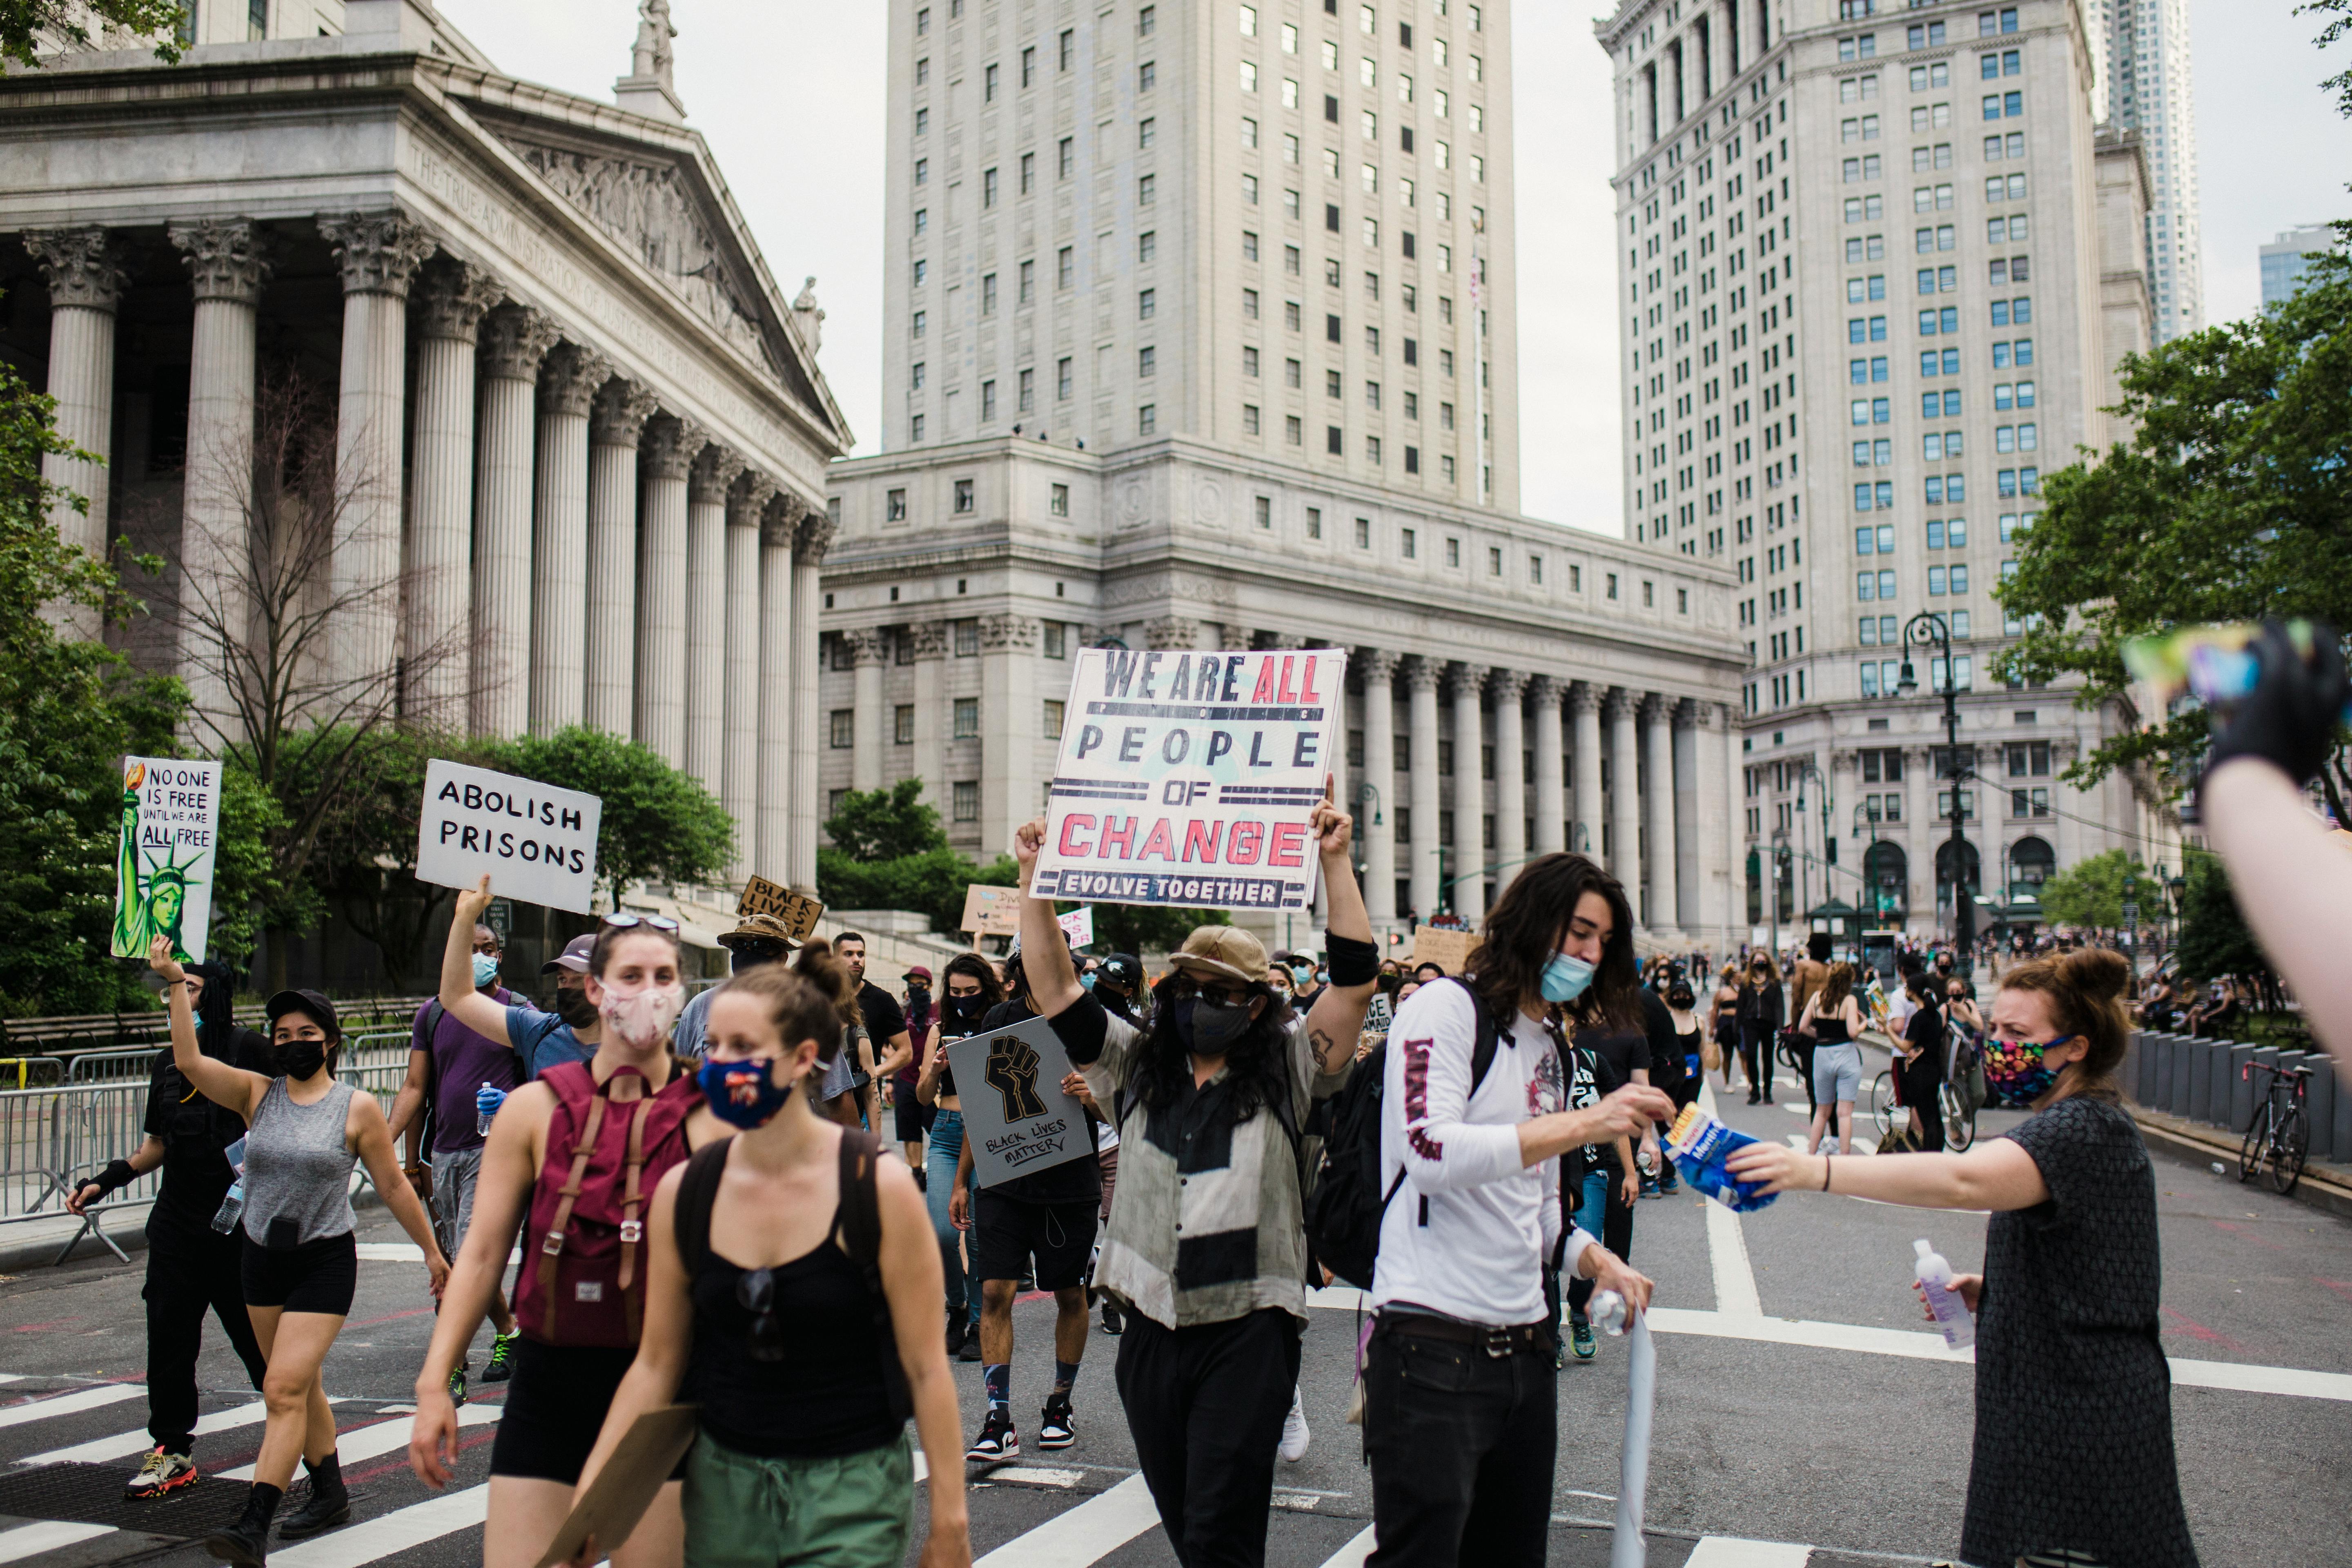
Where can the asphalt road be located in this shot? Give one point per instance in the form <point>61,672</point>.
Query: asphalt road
<point>1827,1424</point>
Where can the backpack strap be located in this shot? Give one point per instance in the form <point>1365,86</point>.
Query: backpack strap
<point>858,1227</point>
<point>1485,1040</point>
<point>697,1191</point>
<point>551,1248</point>
<point>428,1129</point>
<point>633,1198</point>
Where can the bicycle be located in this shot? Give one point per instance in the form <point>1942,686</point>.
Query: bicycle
<point>1961,1055</point>
<point>2280,1137</point>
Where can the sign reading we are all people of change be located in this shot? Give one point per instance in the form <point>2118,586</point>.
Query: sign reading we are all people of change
<point>537,842</point>
<point>164,855</point>
<point>1190,778</point>
<point>1015,1117</point>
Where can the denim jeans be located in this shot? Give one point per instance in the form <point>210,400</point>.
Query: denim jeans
<point>1462,1445</point>
<point>938,1180</point>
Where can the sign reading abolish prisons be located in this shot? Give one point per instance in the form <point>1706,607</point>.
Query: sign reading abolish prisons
<point>537,842</point>
<point>1190,778</point>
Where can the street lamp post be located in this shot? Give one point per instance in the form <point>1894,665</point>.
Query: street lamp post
<point>1928,627</point>
<point>1810,769</point>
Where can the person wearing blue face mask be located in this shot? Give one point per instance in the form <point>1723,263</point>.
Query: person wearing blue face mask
<point>2074,1457</point>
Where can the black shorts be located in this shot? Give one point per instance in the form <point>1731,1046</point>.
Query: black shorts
<point>319,1276</point>
<point>555,1407</point>
<point>913,1117</point>
<point>1006,1232</point>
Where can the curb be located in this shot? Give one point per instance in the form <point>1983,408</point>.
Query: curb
<point>20,1256</point>
<point>2319,1192</point>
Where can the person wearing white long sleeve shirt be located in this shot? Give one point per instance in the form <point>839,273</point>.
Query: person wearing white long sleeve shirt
<point>1460,1418</point>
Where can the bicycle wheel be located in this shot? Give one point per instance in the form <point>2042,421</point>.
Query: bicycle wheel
<point>1881,1104</point>
<point>1959,1122</point>
<point>2288,1150</point>
<point>2257,1145</point>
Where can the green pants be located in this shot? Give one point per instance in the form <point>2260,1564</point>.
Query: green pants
<point>849,1511</point>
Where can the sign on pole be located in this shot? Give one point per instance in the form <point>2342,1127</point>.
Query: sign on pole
<point>537,842</point>
<point>1015,1117</point>
<point>1188,778</point>
<point>797,910</point>
<point>992,910</point>
<point>164,855</point>
<point>1078,925</point>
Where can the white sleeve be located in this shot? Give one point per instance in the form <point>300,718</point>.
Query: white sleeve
<point>1552,1218</point>
<point>1578,1240</point>
<point>1443,1153</point>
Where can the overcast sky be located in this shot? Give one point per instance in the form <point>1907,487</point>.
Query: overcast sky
<point>789,95</point>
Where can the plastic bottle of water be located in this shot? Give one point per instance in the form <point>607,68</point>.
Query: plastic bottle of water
<point>231,1207</point>
<point>1952,1314</point>
<point>482,1118</point>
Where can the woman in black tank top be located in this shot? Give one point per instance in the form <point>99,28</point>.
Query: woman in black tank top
<point>794,1296</point>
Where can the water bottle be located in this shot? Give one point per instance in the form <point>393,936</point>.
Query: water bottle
<point>231,1207</point>
<point>1608,1312</point>
<point>1952,1314</point>
<point>482,1118</point>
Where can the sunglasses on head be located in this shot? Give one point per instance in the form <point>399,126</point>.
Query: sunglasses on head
<point>755,1293</point>
<point>624,919</point>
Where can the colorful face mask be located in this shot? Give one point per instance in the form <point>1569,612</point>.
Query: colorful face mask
<point>743,1093</point>
<point>641,1019</point>
<point>2014,1075</point>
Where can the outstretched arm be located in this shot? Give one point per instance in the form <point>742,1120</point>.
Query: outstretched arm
<point>231,1088</point>
<point>2294,885</point>
<point>1338,1015</point>
<point>1997,1174</point>
<point>459,997</point>
<point>1045,955</point>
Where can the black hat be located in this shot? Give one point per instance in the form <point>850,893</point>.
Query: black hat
<point>311,1003</point>
<point>1122,969</point>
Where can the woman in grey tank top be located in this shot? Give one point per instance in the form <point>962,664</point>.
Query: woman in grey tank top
<point>304,1134</point>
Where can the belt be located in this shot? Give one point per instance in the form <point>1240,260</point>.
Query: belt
<point>1497,1342</point>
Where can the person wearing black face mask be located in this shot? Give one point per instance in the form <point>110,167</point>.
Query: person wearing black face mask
<point>910,1116</point>
<point>971,991</point>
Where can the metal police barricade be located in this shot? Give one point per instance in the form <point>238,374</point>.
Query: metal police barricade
<point>52,1140</point>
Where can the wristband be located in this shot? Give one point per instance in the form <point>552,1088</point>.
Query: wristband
<point>118,1174</point>
<point>1352,963</point>
<point>1825,1171</point>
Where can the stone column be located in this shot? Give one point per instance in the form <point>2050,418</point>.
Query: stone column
<point>85,267</point>
<point>616,424</point>
<point>227,264</point>
<point>869,650</point>
<point>1734,786</point>
<point>1658,802</point>
<point>669,449</point>
<point>714,475</point>
<point>778,680</point>
<point>1550,803</point>
<point>814,538</point>
<point>1009,719</point>
<point>1421,677</point>
<point>1510,777</point>
<point>1468,896</point>
<point>739,791</point>
<point>1691,867</point>
<point>1625,800</point>
<point>568,468</point>
<point>513,343</point>
<point>1584,822</point>
<point>379,253</point>
<point>1378,668</point>
<point>440,647</point>
<point>930,711</point>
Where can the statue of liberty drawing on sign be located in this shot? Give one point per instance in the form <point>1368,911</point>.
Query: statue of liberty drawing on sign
<point>148,902</point>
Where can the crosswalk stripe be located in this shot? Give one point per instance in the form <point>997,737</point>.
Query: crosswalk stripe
<point>381,1437</point>
<point>1084,1534</point>
<point>32,1540</point>
<point>387,1534</point>
<point>69,1403</point>
<point>122,1445</point>
<point>1353,1554</point>
<point>1731,1551</point>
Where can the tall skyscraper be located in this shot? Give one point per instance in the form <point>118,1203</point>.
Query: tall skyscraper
<point>2148,92</point>
<point>1276,229</point>
<point>1877,271</point>
<point>2286,258</point>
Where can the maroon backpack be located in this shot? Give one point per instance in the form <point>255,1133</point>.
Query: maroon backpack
<point>608,1145</point>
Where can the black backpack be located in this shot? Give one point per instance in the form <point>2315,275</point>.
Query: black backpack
<point>1345,1208</point>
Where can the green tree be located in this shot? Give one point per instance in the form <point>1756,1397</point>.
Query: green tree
<point>2233,502</point>
<point>659,822</point>
<point>2091,892</point>
<point>26,25</point>
<point>2214,937</point>
<point>2339,26</point>
<point>886,824</point>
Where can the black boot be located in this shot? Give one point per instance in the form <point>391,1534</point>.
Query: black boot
<point>328,1504</point>
<point>247,1542</point>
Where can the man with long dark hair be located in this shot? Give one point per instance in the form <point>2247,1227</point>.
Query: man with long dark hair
<point>1460,1406</point>
<point>1206,1248</point>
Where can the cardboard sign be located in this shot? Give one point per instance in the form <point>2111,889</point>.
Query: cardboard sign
<point>1016,1119</point>
<point>992,911</point>
<point>1078,925</point>
<point>537,842</point>
<point>164,855</point>
<point>797,910</point>
<point>617,1499</point>
<point>1188,778</point>
<point>1450,949</point>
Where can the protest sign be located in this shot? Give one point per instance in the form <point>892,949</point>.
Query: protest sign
<point>164,855</point>
<point>992,911</point>
<point>1188,778</point>
<point>1078,925</point>
<point>1015,1117</point>
<point>617,1499</point>
<point>537,842</point>
<point>1450,949</point>
<point>797,910</point>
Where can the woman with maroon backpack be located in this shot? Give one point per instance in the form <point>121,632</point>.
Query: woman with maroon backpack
<point>571,1165</point>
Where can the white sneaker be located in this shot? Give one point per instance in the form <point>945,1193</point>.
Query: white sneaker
<point>1295,1435</point>
<point>1830,1146</point>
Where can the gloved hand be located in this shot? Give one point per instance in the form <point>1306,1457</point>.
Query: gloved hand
<point>2291,718</point>
<point>487,1100</point>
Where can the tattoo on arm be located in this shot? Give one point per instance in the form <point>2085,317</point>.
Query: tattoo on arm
<point>1323,1043</point>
